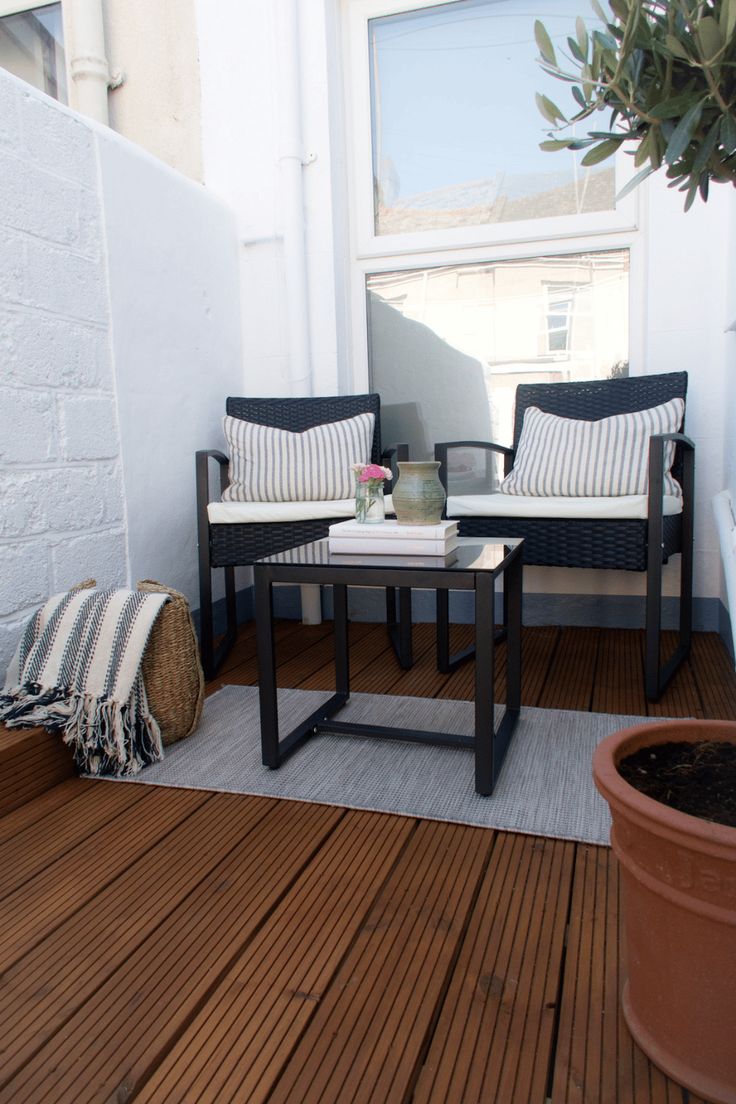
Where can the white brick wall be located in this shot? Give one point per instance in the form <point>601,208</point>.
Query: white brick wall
<point>61,486</point>
<point>119,341</point>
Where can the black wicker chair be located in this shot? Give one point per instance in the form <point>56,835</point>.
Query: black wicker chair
<point>236,545</point>
<point>633,544</point>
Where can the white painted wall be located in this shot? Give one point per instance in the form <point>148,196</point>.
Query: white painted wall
<point>152,52</point>
<point>120,335</point>
<point>175,312</point>
<point>241,57</point>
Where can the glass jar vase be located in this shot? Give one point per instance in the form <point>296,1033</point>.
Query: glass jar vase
<point>369,503</point>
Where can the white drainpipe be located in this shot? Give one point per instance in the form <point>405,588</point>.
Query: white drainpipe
<point>88,65</point>
<point>292,159</point>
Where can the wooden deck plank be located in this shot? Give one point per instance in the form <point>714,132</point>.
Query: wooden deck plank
<point>253,1018</point>
<point>493,1041</point>
<point>619,680</point>
<point>242,655</point>
<point>366,641</point>
<point>43,805</point>
<point>45,988</point>
<point>713,672</point>
<point>597,1061</point>
<point>571,673</point>
<point>32,760</point>
<point>33,910</point>
<point>140,1011</point>
<point>43,842</point>
<point>538,647</point>
<point>291,648</point>
<point>423,680</point>
<point>367,1037</point>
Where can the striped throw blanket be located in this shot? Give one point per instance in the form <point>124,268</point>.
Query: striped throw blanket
<point>77,670</point>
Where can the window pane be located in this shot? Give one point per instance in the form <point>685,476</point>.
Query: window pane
<point>32,47</point>
<point>455,126</point>
<point>449,345</point>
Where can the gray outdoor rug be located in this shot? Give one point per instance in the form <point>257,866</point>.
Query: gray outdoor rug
<point>545,787</point>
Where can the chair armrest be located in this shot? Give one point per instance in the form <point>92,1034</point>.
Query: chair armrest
<point>392,455</point>
<point>202,470</point>
<point>656,485</point>
<point>443,447</point>
<point>656,464</point>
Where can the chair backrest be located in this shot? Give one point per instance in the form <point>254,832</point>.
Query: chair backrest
<point>298,414</point>
<point>590,400</point>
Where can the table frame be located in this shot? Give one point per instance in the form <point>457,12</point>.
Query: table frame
<point>490,741</point>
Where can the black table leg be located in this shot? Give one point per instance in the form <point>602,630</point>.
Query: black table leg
<point>400,626</point>
<point>342,654</point>
<point>266,667</point>
<point>484,683</point>
<point>512,612</point>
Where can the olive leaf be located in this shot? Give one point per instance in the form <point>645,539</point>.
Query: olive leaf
<point>544,43</point>
<point>665,70</point>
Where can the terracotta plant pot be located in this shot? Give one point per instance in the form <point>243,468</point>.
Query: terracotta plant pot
<point>679,911</point>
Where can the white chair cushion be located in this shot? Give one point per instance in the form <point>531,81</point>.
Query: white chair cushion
<point>275,465</point>
<point>224,513</point>
<point>530,506</point>
<point>568,456</point>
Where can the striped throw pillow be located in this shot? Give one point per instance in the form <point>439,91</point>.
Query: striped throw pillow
<point>610,457</point>
<point>275,465</point>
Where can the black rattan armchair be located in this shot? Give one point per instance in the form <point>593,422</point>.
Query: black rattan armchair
<point>234,545</point>
<point>632,544</point>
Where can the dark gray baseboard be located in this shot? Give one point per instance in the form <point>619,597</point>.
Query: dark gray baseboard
<point>610,611</point>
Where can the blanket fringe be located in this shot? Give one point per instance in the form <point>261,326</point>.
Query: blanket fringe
<point>106,737</point>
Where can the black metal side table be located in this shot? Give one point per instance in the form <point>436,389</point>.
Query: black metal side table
<point>474,566</point>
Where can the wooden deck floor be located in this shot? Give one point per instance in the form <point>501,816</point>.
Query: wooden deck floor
<point>170,945</point>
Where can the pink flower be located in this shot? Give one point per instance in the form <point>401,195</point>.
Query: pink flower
<point>368,473</point>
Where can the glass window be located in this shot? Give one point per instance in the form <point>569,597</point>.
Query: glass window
<point>455,127</point>
<point>448,345</point>
<point>32,47</point>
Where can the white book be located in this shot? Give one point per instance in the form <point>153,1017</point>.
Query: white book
<point>393,530</point>
<point>373,559</point>
<point>406,547</point>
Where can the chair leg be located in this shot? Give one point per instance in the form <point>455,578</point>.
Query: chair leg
<point>206,620</point>
<point>657,677</point>
<point>212,657</point>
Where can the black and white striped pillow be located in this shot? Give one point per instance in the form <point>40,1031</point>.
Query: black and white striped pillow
<point>566,457</point>
<point>275,465</point>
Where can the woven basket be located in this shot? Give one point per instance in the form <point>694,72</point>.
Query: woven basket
<point>171,669</point>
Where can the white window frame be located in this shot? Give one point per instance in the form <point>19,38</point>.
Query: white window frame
<point>15,7</point>
<point>368,243</point>
<point>371,253</point>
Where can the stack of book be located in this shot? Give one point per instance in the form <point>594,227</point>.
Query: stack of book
<point>390,538</point>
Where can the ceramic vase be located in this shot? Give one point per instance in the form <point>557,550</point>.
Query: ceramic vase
<point>678,876</point>
<point>418,496</point>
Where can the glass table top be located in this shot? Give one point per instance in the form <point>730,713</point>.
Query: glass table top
<point>472,554</point>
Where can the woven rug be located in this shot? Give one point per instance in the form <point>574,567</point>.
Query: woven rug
<point>545,787</point>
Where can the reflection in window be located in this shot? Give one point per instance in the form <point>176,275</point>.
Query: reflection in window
<point>448,345</point>
<point>32,47</point>
<point>455,126</point>
<point>560,300</point>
